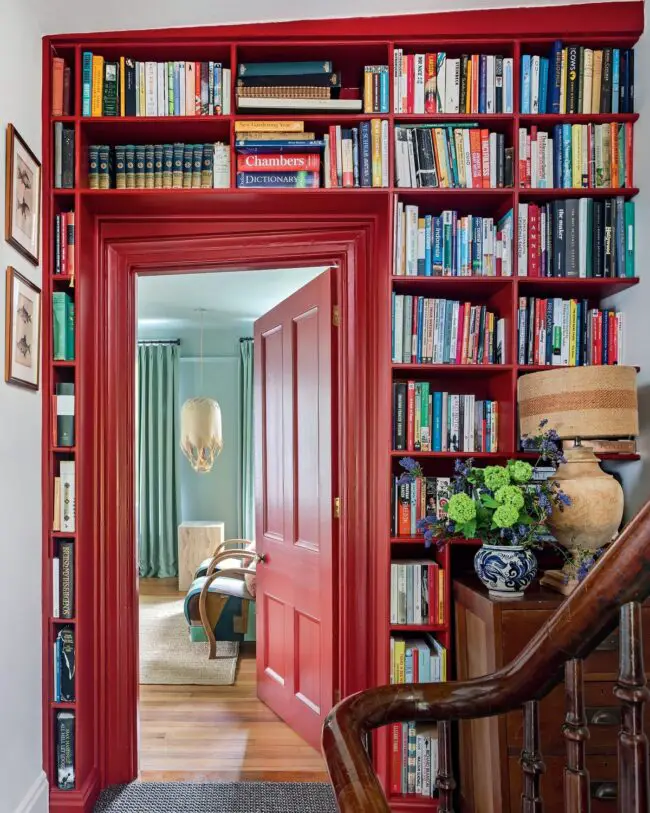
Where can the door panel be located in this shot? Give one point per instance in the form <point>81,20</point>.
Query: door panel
<point>295,461</point>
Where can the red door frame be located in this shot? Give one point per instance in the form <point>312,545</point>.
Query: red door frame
<point>126,247</point>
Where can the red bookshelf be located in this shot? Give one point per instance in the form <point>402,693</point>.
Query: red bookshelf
<point>351,44</point>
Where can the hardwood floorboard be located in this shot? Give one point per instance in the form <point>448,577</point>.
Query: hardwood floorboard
<point>218,733</point>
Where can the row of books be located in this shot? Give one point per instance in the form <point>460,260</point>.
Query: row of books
<point>64,666</point>
<point>444,331</point>
<point>428,421</point>
<point>568,332</point>
<point>451,156</point>
<point>417,593</point>
<point>64,742</point>
<point>64,256</point>
<point>64,141</point>
<point>63,581</point>
<point>375,89</point>
<point>159,166</point>
<point>412,501</point>
<point>435,83</point>
<point>61,88</point>
<point>128,87</point>
<point>576,156</point>
<point>63,409</point>
<point>63,326</point>
<point>417,660</point>
<point>451,244</point>
<point>576,79</point>
<point>584,237</point>
<point>414,759</point>
<point>63,518</point>
<point>357,157</point>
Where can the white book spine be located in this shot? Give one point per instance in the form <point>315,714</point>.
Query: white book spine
<point>418,87</point>
<point>534,163</point>
<point>398,330</point>
<point>550,178</point>
<point>522,241</point>
<point>588,77</point>
<point>411,159</point>
<point>151,89</point>
<point>384,153</point>
<point>490,87</point>
<point>542,168</point>
<point>397,77</point>
<point>226,78</point>
<point>417,594</point>
<point>493,160</point>
<point>161,109</point>
<point>67,472</point>
<point>403,85</point>
<point>348,161</point>
<point>467,155</point>
<point>442,82</point>
<point>397,225</point>
<point>452,85</point>
<point>165,90</point>
<point>182,88</point>
<point>428,308</point>
<point>401,594</point>
<point>221,170</point>
<point>454,330</point>
<point>393,598</point>
<point>534,85</point>
<point>411,240</point>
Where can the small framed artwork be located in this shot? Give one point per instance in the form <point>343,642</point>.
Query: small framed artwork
<point>22,197</point>
<point>22,331</point>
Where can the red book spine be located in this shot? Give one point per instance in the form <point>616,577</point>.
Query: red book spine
<point>628,155</point>
<point>63,241</point>
<point>410,83</point>
<point>598,339</point>
<point>410,416</point>
<point>197,88</point>
<point>416,329</point>
<point>433,594</point>
<point>430,104</point>
<point>280,162</point>
<point>533,240</point>
<point>485,158</point>
<point>396,759</point>
<point>612,339</point>
<point>70,229</point>
<point>416,666</point>
<point>404,515</point>
<point>475,149</point>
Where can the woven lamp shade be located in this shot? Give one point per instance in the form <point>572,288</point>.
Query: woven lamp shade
<point>580,402</point>
<point>201,436</point>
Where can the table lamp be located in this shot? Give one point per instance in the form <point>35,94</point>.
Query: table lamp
<point>581,403</point>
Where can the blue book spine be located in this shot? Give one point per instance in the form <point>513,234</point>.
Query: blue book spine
<point>383,89</point>
<point>218,89</point>
<point>283,68</point>
<point>508,86</point>
<point>543,84</point>
<point>454,244</point>
<point>87,80</point>
<point>288,145</point>
<point>355,156</point>
<point>566,157</point>
<point>525,83</point>
<point>420,326</point>
<point>177,89</point>
<point>427,245</point>
<point>278,180</point>
<point>482,84</point>
<point>437,421</point>
<point>366,170</point>
<point>555,77</point>
<point>408,660</point>
<point>557,155</point>
<point>549,330</point>
<point>477,234</point>
<point>616,72</point>
<point>437,249</point>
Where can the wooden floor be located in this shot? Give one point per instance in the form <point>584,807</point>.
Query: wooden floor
<point>217,733</point>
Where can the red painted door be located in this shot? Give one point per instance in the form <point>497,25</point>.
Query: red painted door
<point>295,466</point>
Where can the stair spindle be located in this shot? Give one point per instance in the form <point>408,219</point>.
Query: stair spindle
<point>576,776</point>
<point>632,691</point>
<point>445,781</point>
<point>531,760</point>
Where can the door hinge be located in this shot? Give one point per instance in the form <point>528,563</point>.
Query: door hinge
<point>337,508</point>
<point>336,316</point>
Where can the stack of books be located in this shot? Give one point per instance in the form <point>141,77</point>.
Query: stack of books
<point>159,166</point>
<point>417,593</point>
<point>428,421</point>
<point>585,237</point>
<point>61,88</point>
<point>293,86</point>
<point>424,497</point>
<point>277,155</point>
<point>64,258</point>
<point>375,89</point>
<point>568,333</point>
<point>451,244</point>
<point>436,83</point>
<point>63,409</point>
<point>576,79</point>
<point>126,87</point>
<point>452,156</point>
<point>576,156</point>
<point>443,331</point>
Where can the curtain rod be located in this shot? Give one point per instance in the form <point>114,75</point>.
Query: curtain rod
<point>246,339</point>
<point>159,341</point>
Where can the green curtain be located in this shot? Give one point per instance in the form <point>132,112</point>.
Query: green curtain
<point>247,449</point>
<point>156,476</point>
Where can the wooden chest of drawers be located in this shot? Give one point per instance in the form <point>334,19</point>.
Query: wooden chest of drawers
<point>489,634</point>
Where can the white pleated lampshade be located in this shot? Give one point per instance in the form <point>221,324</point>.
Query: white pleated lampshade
<point>201,436</point>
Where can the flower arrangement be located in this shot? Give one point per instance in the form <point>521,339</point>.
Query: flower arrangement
<point>500,505</point>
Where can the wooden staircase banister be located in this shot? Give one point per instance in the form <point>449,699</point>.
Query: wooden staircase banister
<point>579,625</point>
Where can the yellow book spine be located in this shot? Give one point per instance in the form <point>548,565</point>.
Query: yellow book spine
<point>443,664</point>
<point>576,155</point>
<point>441,596</point>
<point>573,333</point>
<point>400,659</point>
<point>595,81</point>
<point>263,126</point>
<point>367,91</point>
<point>468,94</point>
<point>98,86</point>
<point>122,87</point>
<point>563,70</point>
<point>375,131</point>
<point>441,150</point>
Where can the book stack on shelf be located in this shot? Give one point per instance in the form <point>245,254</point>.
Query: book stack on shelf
<point>579,238</point>
<point>128,87</point>
<point>428,421</point>
<point>64,254</point>
<point>416,499</point>
<point>375,89</point>
<point>277,155</point>
<point>451,244</point>
<point>302,86</point>
<point>431,83</point>
<point>444,331</point>
<point>576,156</point>
<point>451,156</point>
<point>61,88</point>
<point>568,332</point>
<point>576,79</point>
<point>417,593</point>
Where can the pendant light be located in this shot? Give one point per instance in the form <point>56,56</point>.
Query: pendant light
<point>201,437</point>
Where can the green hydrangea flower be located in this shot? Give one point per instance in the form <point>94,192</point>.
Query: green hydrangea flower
<point>510,495</point>
<point>495,477</point>
<point>505,516</point>
<point>520,471</point>
<point>461,508</point>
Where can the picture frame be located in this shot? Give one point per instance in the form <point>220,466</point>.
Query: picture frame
<point>22,197</point>
<point>22,331</point>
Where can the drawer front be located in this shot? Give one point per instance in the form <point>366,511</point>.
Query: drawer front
<point>519,626</point>
<point>603,712</point>
<point>603,777</point>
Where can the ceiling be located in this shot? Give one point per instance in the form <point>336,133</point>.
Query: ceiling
<point>68,16</point>
<point>231,299</point>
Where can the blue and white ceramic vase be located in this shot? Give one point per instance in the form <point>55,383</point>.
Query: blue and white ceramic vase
<point>506,570</point>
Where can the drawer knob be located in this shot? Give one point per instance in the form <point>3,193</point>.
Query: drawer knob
<point>604,790</point>
<point>604,716</point>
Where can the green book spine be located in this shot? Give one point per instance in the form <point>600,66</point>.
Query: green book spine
<point>207,166</point>
<point>120,166</point>
<point>64,413</point>
<point>197,163</point>
<point>168,166</point>
<point>188,163</point>
<point>170,88</point>
<point>629,238</point>
<point>139,166</point>
<point>158,166</point>
<point>69,330</point>
<point>59,318</point>
<point>177,170</point>
<point>104,167</point>
<point>93,166</point>
<point>130,166</point>
<point>111,85</point>
<point>425,426</point>
<point>590,231</point>
<point>148,166</point>
<point>621,155</point>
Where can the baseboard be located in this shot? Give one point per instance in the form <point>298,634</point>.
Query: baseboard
<point>35,800</point>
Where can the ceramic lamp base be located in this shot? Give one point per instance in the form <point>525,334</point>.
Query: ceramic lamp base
<point>556,580</point>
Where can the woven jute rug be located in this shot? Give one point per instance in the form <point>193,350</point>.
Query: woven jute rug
<point>215,797</point>
<point>168,657</point>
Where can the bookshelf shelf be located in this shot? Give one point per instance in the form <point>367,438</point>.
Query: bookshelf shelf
<point>418,627</point>
<point>577,192</point>
<point>71,706</point>
<point>451,455</point>
<point>593,286</point>
<point>62,535</point>
<point>64,364</point>
<point>64,449</point>
<point>550,119</point>
<point>453,369</point>
<point>62,622</point>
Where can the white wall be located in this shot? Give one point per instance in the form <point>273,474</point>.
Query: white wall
<point>23,787</point>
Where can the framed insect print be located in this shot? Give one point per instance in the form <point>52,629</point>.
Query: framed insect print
<point>22,331</point>
<point>22,197</point>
